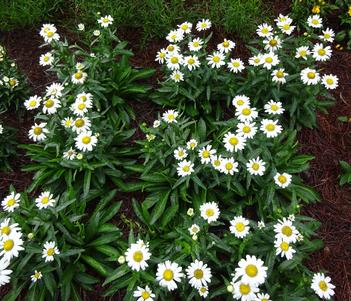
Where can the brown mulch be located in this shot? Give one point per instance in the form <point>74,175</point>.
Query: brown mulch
<point>329,143</point>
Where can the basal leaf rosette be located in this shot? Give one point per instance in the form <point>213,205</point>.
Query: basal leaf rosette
<point>218,255</point>
<point>250,160</point>
<point>50,250</point>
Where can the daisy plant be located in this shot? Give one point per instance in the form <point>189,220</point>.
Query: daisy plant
<point>224,257</point>
<point>241,163</point>
<point>13,84</point>
<point>8,145</point>
<point>49,249</point>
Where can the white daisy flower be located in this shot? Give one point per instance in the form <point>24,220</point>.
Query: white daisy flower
<point>6,228</point>
<point>272,43</point>
<point>4,273</point>
<point>274,107</point>
<point>96,33</point>
<point>282,180</point>
<point>143,294</point>
<point>192,62</point>
<point>328,35</point>
<point>168,274</point>
<point>33,102</point>
<point>203,291</point>
<point>199,274</point>
<point>194,229</point>
<point>302,52</point>
<point>180,153</point>
<point>185,168</point>
<point>156,124</point>
<point>170,116</point>
<point>309,76</point>
<point>262,297</point>
<point>50,105</point>
<point>49,251</point>
<point>264,30</point>
<point>244,291</point>
<point>54,90</point>
<point>284,249</point>
<point>251,270</point>
<point>86,141</point>
<point>315,21</point>
<point>256,167</point>
<point>283,19</point>
<point>191,144</point>
<point>286,28</point>
<point>185,27</point>
<point>255,60</point>
<point>71,154</point>
<point>1,129</point>
<point>177,76</point>
<point>81,27</point>
<point>81,107</point>
<point>285,230</point>
<point>239,226</point>
<point>229,166</point>
<point>322,286</point>
<point>79,77</point>
<point>241,101</point>
<point>172,49</point>
<point>246,129</point>
<point>216,60</point>
<point>205,154</point>
<point>269,60</point>
<point>38,132</point>
<point>279,76</point>
<point>85,97</point>
<point>246,114</point>
<point>174,61</point>
<point>330,81</point>
<point>11,202</point>
<point>175,36</point>
<point>216,162</point>
<point>321,53</point>
<point>236,65</point>
<point>45,200</point>
<point>11,245</point>
<point>234,142</point>
<point>204,24</point>
<point>137,255</point>
<point>209,212</point>
<point>46,59</point>
<point>195,44</point>
<point>226,46</point>
<point>36,276</point>
<point>81,124</point>
<point>161,56</point>
<point>49,33</point>
<point>105,21</point>
<point>271,128</point>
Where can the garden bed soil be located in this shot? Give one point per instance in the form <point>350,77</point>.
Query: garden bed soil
<point>329,143</point>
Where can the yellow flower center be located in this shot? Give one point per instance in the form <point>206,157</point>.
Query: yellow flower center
<point>255,166</point>
<point>198,274</point>
<point>311,75</point>
<point>81,106</point>
<point>265,30</point>
<point>273,42</point>
<point>78,75</point>
<point>168,275</point>
<point>170,117</point>
<point>321,52</point>
<point>170,48</point>
<point>274,107</point>
<point>12,82</point>
<point>236,64</point>
<point>106,20</point>
<point>330,81</point>
<point>246,111</point>
<point>11,202</point>
<point>6,230</point>
<point>315,22</point>
<point>186,168</point>
<point>303,53</point>
<point>191,61</point>
<point>49,103</point>
<point>244,289</point>
<point>269,60</point>
<point>270,127</point>
<point>145,295</point>
<point>174,60</point>
<point>284,246</point>
<point>286,26</point>
<point>280,74</point>
<point>205,154</point>
<point>50,252</point>
<point>79,123</point>
<point>257,60</point>
<point>37,130</point>
<point>323,285</point>
<point>83,98</point>
<point>234,141</point>
<point>282,179</point>
<point>174,37</point>
<point>327,35</point>
<point>251,270</point>
<point>216,59</point>
<point>86,140</point>
<point>287,231</point>
<point>32,103</point>
<point>8,245</point>
<point>196,44</point>
<point>225,44</point>
<point>229,166</point>
<point>240,227</point>
<point>138,256</point>
<point>45,200</point>
<point>184,26</point>
<point>203,25</point>
<point>181,153</point>
<point>37,275</point>
<point>240,102</point>
<point>192,145</point>
<point>209,212</point>
<point>46,58</point>
<point>246,129</point>
<point>50,34</point>
<point>216,162</point>
<point>203,289</point>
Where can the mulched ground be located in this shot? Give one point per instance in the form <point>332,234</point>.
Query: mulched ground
<point>329,143</point>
